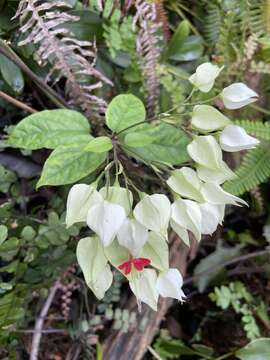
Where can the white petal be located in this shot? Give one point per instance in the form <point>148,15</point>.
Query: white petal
<point>187,214</point>
<point>154,211</point>
<point>80,198</point>
<point>235,138</point>
<point>212,215</point>
<point>218,176</point>
<point>238,95</point>
<point>205,151</point>
<point>106,219</point>
<point>180,231</point>
<point>186,183</point>
<point>205,76</point>
<point>214,194</point>
<point>206,118</point>
<point>144,288</point>
<point>103,283</point>
<point>169,284</point>
<point>132,235</point>
<point>118,195</point>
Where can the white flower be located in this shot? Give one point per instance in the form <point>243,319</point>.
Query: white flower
<point>118,195</point>
<point>186,183</point>
<point>212,215</point>
<point>169,284</point>
<point>154,212</point>
<point>80,198</point>
<point>144,288</point>
<point>205,151</point>
<point>235,138</point>
<point>102,283</point>
<point>206,118</point>
<point>105,219</point>
<point>186,215</point>
<point>133,236</point>
<point>238,95</point>
<point>214,194</point>
<point>204,77</point>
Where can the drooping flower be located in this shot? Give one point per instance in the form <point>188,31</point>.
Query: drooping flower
<point>132,235</point>
<point>238,95</point>
<point>169,284</point>
<point>138,264</point>
<point>235,138</point>
<point>206,152</point>
<point>144,288</point>
<point>118,195</point>
<point>186,215</point>
<point>154,211</point>
<point>206,118</point>
<point>214,194</point>
<point>204,77</point>
<point>186,183</point>
<point>80,198</point>
<point>105,219</point>
<point>212,216</point>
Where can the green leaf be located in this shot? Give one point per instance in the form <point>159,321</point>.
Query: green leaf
<point>156,249</point>
<point>178,39</point>
<point>99,145</point>
<point>138,139</point>
<point>49,129</point>
<point>68,164</point>
<point>217,257</point>
<point>191,49</point>
<point>11,74</point>
<point>256,350</point>
<point>124,111</point>
<point>169,145</point>
<point>3,233</point>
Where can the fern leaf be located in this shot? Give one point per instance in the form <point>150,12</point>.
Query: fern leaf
<point>254,170</point>
<point>212,23</point>
<point>42,25</point>
<point>256,128</point>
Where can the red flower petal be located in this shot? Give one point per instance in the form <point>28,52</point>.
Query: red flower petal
<point>126,266</point>
<point>140,263</point>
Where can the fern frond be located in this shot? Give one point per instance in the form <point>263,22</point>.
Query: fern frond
<point>256,128</point>
<point>212,23</point>
<point>42,25</point>
<point>149,50</point>
<point>254,170</point>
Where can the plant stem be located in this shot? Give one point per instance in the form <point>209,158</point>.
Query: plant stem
<point>154,353</point>
<point>225,356</point>
<point>50,93</point>
<point>17,103</point>
<point>259,108</point>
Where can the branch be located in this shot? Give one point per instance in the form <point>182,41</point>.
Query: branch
<point>40,320</point>
<point>17,103</point>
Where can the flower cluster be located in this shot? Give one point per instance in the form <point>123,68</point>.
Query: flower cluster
<point>133,238</point>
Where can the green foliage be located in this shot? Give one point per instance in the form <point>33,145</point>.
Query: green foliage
<point>256,350</point>
<point>237,296</point>
<point>49,129</point>
<point>68,164</point>
<point>124,111</point>
<point>11,74</point>
<point>254,170</point>
<point>7,178</point>
<point>256,128</point>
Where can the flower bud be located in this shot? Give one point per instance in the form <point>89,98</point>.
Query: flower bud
<point>238,95</point>
<point>204,77</point>
<point>105,219</point>
<point>214,194</point>
<point>169,284</point>
<point>206,118</point>
<point>154,212</point>
<point>80,198</point>
<point>235,138</point>
<point>212,216</point>
<point>118,195</point>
